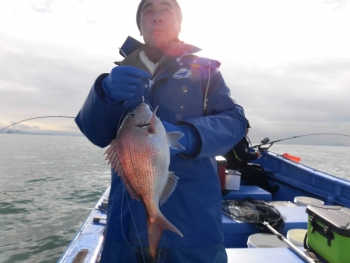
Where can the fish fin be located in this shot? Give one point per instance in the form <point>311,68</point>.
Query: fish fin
<point>113,142</point>
<point>155,227</point>
<point>112,157</point>
<point>131,191</point>
<point>152,125</point>
<point>169,187</point>
<point>111,153</point>
<point>173,138</point>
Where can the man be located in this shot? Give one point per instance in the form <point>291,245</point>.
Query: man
<point>237,159</point>
<point>192,98</point>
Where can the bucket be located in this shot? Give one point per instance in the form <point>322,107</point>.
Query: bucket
<point>296,236</point>
<point>305,201</point>
<point>264,241</point>
<point>232,180</point>
<point>282,203</point>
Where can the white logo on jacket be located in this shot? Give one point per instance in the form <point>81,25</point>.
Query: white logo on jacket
<point>182,74</point>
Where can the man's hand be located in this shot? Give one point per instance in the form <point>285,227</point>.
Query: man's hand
<point>189,142</point>
<point>121,84</point>
<point>179,143</point>
<point>258,154</point>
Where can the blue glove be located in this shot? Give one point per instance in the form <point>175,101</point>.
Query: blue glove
<point>189,141</point>
<point>121,84</point>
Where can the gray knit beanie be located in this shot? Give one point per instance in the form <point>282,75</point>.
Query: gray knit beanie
<point>138,14</point>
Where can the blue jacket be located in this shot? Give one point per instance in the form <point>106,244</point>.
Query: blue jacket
<point>189,90</point>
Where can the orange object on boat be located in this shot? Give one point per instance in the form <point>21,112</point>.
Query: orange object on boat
<point>291,157</point>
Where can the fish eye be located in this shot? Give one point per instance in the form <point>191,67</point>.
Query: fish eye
<point>130,116</point>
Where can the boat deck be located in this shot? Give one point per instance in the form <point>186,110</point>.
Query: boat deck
<point>236,234</point>
<point>293,180</point>
<point>271,255</point>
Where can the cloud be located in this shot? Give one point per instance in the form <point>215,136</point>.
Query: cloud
<point>338,4</point>
<point>40,79</point>
<point>308,96</point>
<point>305,96</point>
<point>42,6</point>
<point>290,69</point>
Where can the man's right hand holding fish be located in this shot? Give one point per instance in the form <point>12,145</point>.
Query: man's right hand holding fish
<point>121,84</point>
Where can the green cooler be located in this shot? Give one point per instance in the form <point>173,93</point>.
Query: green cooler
<point>328,232</point>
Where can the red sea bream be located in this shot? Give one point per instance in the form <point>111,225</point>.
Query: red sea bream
<point>140,154</point>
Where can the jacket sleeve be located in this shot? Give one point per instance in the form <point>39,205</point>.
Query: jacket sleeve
<point>224,123</point>
<point>97,119</point>
<point>243,153</point>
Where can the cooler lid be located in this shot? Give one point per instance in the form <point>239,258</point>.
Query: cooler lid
<point>336,217</point>
<point>220,160</point>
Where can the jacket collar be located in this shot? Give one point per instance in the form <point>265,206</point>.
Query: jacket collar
<point>131,49</point>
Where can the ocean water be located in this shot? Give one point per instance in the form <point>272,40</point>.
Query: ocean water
<point>334,160</point>
<point>49,184</point>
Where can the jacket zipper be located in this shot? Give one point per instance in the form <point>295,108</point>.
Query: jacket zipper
<point>151,81</point>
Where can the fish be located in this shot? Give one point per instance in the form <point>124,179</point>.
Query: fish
<point>140,155</point>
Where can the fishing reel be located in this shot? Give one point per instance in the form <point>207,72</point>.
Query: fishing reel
<point>261,147</point>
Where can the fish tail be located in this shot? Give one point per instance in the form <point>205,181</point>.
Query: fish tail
<point>155,227</point>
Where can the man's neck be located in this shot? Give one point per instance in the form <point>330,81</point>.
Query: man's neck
<point>155,53</point>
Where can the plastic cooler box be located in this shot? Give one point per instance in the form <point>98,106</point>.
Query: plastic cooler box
<point>328,232</point>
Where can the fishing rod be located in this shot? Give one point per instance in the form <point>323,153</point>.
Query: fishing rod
<point>266,140</point>
<point>295,249</point>
<point>41,117</point>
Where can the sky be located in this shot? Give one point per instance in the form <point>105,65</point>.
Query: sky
<point>287,62</point>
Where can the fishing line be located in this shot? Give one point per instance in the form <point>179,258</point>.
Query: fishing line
<point>133,220</point>
<point>143,96</point>
<point>41,117</point>
<point>311,134</point>
<point>128,105</point>
<point>132,216</point>
<point>138,236</point>
<point>124,191</point>
<point>124,188</point>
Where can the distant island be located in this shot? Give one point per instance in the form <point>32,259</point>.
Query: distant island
<point>20,132</point>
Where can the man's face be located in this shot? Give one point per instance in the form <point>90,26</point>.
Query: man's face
<point>159,22</point>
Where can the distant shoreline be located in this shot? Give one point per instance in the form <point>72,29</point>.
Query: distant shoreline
<point>291,142</point>
<point>37,133</point>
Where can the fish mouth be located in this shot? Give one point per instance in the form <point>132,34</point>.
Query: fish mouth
<point>143,125</point>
